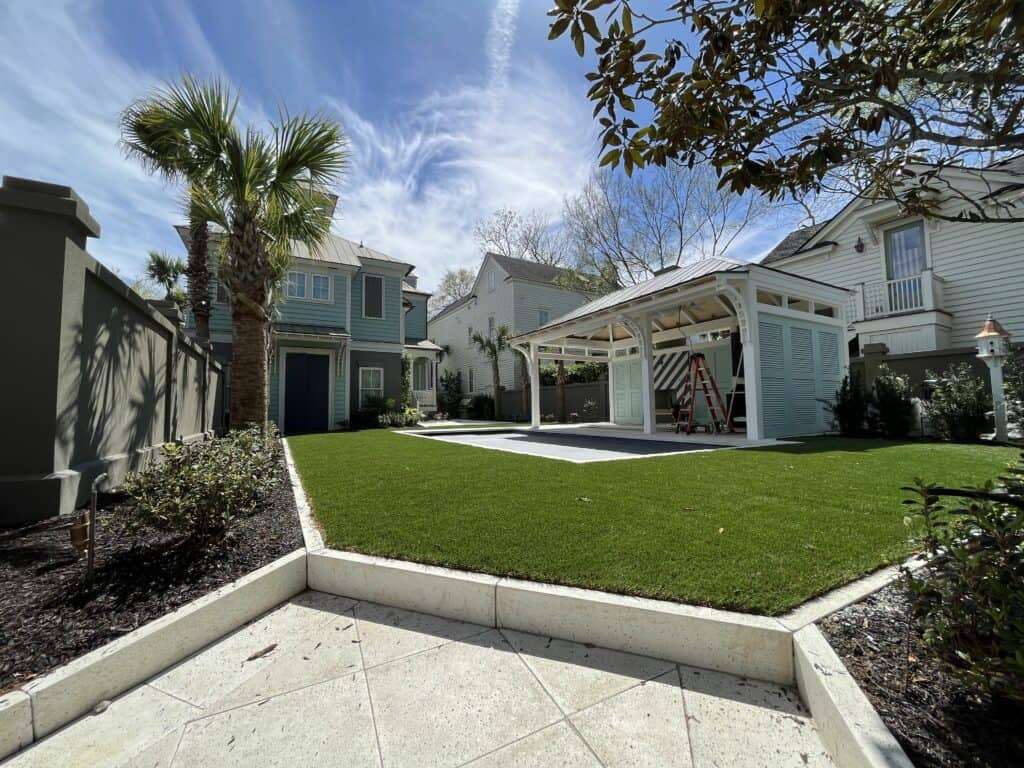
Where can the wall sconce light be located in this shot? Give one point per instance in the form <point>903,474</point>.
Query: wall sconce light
<point>859,245</point>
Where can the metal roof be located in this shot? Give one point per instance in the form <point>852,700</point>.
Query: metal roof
<point>684,274</point>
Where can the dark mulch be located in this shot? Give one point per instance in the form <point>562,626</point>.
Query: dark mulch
<point>50,615</point>
<point>939,722</point>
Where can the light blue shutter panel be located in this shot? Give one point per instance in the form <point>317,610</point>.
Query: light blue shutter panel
<point>803,391</point>
<point>773,377</point>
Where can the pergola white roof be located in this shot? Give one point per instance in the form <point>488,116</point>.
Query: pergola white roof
<point>673,309</point>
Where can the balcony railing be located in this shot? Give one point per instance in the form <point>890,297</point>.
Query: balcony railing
<point>917,293</point>
<point>424,397</point>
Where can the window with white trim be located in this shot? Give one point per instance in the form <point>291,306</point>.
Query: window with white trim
<point>373,297</point>
<point>490,325</point>
<point>295,285</point>
<point>491,281</point>
<point>371,384</point>
<point>320,287</point>
<point>904,251</point>
<point>543,316</point>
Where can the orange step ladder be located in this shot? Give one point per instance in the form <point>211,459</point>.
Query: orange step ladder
<point>697,374</point>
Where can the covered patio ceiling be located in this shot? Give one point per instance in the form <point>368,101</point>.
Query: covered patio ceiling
<point>702,301</point>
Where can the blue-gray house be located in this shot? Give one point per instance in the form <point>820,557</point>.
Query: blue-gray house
<point>344,319</point>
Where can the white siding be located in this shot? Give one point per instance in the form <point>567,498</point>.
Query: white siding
<point>514,303</point>
<point>982,266</point>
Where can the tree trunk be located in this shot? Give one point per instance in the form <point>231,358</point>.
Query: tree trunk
<point>497,389</point>
<point>249,369</point>
<point>562,415</point>
<point>198,272</point>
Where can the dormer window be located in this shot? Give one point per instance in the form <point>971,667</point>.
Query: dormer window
<point>373,297</point>
<point>905,251</point>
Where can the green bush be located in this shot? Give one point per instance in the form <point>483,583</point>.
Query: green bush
<point>375,406</point>
<point>450,394</point>
<point>1013,388</point>
<point>894,403</point>
<point>849,408</point>
<point>969,600</point>
<point>481,407</point>
<point>198,490</point>
<point>407,417</point>
<point>959,404</point>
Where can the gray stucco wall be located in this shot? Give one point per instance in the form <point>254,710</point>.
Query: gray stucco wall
<point>98,379</point>
<point>391,362</point>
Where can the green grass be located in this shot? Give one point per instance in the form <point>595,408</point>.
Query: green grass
<point>756,530</point>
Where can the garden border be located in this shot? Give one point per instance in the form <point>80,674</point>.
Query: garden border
<point>788,650</point>
<point>41,706</point>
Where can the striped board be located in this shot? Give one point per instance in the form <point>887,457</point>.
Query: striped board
<point>668,369</point>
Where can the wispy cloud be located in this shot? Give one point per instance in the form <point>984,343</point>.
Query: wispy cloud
<point>418,186</point>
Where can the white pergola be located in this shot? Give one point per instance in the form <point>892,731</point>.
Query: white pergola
<point>679,310</point>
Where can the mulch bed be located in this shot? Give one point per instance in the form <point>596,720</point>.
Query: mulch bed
<point>50,614</point>
<point>938,721</point>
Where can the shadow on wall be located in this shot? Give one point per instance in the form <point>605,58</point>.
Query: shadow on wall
<point>113,392</point>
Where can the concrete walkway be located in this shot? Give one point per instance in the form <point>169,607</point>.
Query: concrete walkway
<point>324,680</point>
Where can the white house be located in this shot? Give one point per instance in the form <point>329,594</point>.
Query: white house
<point>920,285</point>
<point>519,294</point>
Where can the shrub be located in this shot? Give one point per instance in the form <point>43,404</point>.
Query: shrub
<point>407,417</point>
<point>969,601</point>
<point>373,408</point>
<point>1013,388</point>
<point>849,409</point>
<point>894,402</point>
<point>481,407</point>
<point>450,393</point>
<point>959,404</point>
<point>199,489</point>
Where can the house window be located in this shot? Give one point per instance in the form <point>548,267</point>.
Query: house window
<point>223,297</point>
<point>420,374</point>
<point>320,287</point>
<point>295,285</point>
<point>373,297</point>
<point>470,377</point>
<point>904,251</point>
<point>543,316</point>
<point>490,281</point>
<point>490,325</point>
<point>371,384</point>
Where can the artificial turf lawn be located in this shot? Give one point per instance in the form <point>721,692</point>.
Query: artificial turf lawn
<point>757,530</point>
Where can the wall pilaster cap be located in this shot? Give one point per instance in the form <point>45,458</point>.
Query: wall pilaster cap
<point>48,198</point>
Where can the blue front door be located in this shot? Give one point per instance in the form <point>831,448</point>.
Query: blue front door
<point>306,393</point>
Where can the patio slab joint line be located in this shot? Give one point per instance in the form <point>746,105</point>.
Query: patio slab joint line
<point>366,682</point>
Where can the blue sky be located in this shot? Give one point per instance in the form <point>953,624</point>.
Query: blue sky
<point>454,108</point>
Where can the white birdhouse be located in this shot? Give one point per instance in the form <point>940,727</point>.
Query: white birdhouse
<point>993,341</point>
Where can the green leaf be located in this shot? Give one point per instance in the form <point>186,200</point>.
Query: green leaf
<point>577,38</point>
<point>611,158</point>
<point>627,20</point>
<point>558,27</point>
<point>590,26</point>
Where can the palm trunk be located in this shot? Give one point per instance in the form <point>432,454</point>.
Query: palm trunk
<point>249,275</point>
<point>199,275</point>
<point>249,369</point>
<point>497,388</point>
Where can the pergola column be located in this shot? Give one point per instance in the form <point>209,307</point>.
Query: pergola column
<point>749,335</point>
<point>611,375</point>
<point>647,374</point>
<point>534,366</point>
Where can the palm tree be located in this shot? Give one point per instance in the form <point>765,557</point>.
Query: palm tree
<point>166,270</point>
<point>265,192</point>
<point>492,347</point>
<point>160,134</point>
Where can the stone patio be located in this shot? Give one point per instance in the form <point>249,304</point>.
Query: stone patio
<point>325,680</point>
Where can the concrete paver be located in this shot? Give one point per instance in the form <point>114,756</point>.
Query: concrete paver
<point>323,680</point>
